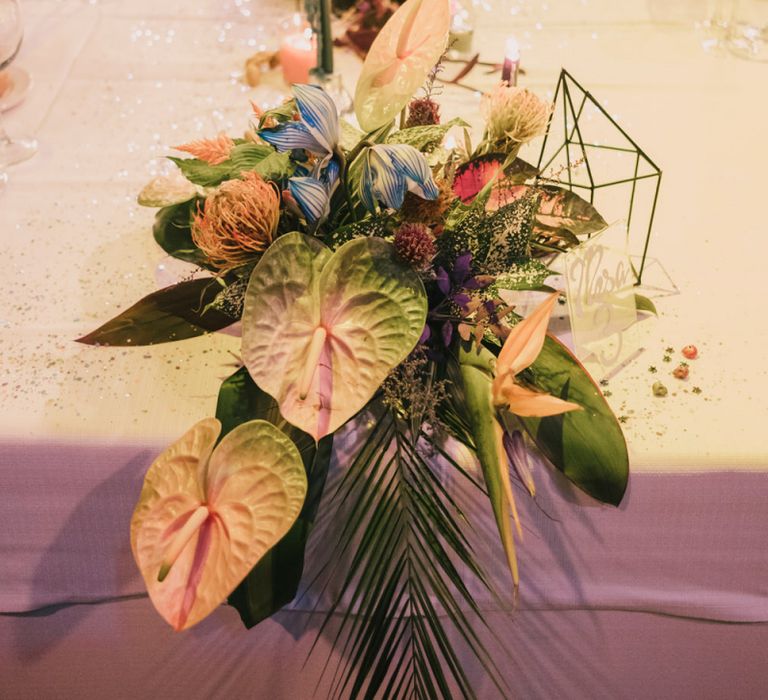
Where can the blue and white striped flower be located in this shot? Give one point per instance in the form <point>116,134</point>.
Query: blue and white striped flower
<point>391,170</point>
<point>316,132</point>
<point>313,194</point>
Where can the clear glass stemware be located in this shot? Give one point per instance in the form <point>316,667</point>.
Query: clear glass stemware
<point>11,33</point>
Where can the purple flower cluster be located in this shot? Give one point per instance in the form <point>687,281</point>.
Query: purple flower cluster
<point>454,287</point>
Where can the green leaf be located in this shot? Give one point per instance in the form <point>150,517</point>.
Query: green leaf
<point>350,135</point>
<point>248,155</point>
<point>424,138</point>
<point>497,239</point>
<point>519,171</point>
<point>529,274</point>
<point>322,331</point>
<point>173,232</point>
<point>275,580</point>
<point>587,446</point>
<point>174,313</point>
<point>379,226</point>
<point>261,159</point>
<point>201,173</point>
<point>275,166</point>
<point>281,113</point>
<point>406,584</point>
<point>643,303</point>
<point>560,208</point>
<point>340,211</point>
<point>554,238</point>
<point>476,368</point>
<point>380,134</point>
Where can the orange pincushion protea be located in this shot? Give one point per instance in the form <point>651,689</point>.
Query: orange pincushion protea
<point>237,221</point>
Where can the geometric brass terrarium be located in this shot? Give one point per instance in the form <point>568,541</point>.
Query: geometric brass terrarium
<point>586,151</point>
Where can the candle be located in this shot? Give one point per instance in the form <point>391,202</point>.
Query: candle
<point>511,62</point>
<point>325,46</point>
<point>462,28</point>
<point>461,40</point>
<point>298,55</point>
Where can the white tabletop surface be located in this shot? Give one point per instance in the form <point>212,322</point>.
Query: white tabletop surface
<point>116,84</point>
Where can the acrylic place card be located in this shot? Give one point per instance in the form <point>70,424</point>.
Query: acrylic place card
<point>601,297</point>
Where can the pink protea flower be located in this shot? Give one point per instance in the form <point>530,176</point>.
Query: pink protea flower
<point>415,244</point>
<point>212,151</point>
<point>237,221</point>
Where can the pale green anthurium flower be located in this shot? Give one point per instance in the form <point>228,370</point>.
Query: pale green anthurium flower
<point>206,514</point>
<point>322,330</point>
<point>400,59</point>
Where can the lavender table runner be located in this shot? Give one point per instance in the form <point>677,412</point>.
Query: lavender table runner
<point>691,545</point>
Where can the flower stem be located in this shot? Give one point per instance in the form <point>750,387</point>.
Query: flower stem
<point>355,152</point>
<point>343,180</point>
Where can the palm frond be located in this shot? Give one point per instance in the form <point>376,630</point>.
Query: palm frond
<point>405,592</point>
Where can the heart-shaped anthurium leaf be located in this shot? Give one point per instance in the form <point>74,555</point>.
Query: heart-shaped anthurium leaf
<point>206,516</point>
<point>321,331</point>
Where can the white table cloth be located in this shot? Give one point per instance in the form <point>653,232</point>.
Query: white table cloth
<point>665,597</point>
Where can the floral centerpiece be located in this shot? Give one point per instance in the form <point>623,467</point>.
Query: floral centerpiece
<point>370,270</point>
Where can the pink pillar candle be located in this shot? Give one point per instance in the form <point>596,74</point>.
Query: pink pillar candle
<point>298,55</point>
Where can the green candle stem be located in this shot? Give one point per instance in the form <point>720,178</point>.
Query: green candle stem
<point>325,39</point>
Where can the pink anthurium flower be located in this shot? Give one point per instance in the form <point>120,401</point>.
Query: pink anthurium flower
<point>520,349</point>
<point>206,514</point>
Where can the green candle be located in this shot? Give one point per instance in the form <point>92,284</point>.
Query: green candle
<point>325,38</point>
<point>319,16</point>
